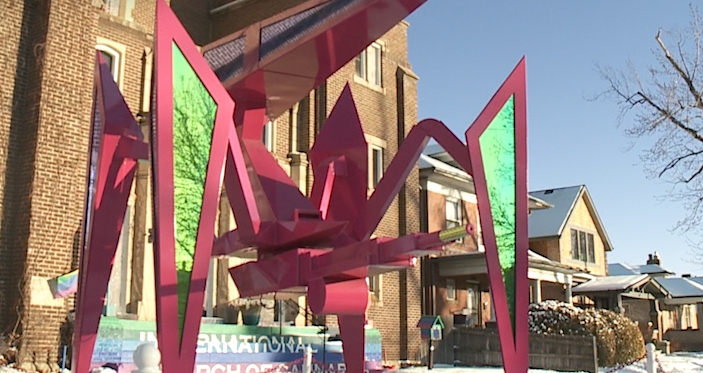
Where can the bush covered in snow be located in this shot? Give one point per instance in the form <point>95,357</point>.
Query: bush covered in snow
<point>618,338</point>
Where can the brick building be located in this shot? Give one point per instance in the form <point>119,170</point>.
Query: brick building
<point>45,110</point>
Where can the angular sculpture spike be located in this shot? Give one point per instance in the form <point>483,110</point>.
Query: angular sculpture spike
<point>115,148</point>
<point>498,152</point>
<point>341,145</point>
<point>191,109</point>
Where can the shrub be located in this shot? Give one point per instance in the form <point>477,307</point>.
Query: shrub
<point>618,338</point>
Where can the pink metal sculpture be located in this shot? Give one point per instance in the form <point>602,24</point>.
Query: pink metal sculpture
<point>116,145</point>
<point>321,245</point>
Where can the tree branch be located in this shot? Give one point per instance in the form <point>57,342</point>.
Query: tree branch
<point>666,114</point>
<point>676,160</point>
<point>681,72</point>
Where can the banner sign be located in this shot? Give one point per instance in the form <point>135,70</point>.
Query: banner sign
<point>224,348</point>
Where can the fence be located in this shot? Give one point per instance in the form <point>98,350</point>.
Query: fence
<point>481,347</point>
<point>685,340</point>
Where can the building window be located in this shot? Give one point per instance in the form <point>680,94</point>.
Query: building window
<point>451,289</point>
<point>267,136</point>
<point>583,246</point>
<point>119,8</point>
<point>112,58</point>
<point>368,65</point>
<point>472,304</point>
<point>453,213</point>
<point>376,165</point>
<point>111,7</point>
<point>374,283</point>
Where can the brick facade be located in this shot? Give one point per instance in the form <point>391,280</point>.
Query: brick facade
<point>48,58</point>
<point>45,128</point>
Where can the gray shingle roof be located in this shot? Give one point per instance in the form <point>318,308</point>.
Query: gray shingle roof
<point>550,222</point>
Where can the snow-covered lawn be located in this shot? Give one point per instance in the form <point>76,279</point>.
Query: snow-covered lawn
<point>682,362</point>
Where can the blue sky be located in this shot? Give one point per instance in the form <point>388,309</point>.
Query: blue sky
<point>463,50</point>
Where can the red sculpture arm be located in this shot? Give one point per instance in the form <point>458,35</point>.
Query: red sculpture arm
<point>400,168</point>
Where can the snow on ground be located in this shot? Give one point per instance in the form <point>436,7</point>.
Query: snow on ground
<point>680,362</point>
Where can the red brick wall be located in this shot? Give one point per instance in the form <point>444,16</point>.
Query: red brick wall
<point>45,163</point>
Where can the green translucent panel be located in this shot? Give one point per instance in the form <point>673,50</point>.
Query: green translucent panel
<point>498,153</point>
<point>193,122</point>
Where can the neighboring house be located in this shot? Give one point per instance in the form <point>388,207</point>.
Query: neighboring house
<point>455,282</point>
<point>665,307</point>
<point>571,232</point>
<point>45,174</point>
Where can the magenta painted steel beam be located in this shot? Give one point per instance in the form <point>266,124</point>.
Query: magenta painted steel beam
<point>178,348</point>
<point>514,342</point>
<point>116,145</point>
<point>275,62</point>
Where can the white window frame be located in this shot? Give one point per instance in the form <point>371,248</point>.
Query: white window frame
<point>590,243</point>
<point>374,284</point>
<point>115,68</point>
<point>117,51</point>
<point>368,70</point>
<point>376,164</point>
<point>454,221</point>
<point>123,8</point>
<point>375,144</point>
<point>267,135</point>
<point>451,289</point>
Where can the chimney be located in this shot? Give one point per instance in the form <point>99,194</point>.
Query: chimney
<point>686,275</point>
<point>654,259</point>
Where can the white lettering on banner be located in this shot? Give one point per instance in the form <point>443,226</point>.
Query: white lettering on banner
<point>202,344</point>
<point>231,343</point>
<point>245,343</point>
<point>267,367</point>
<point>275,344</point>
<point>214,345</point>
<point>148,337</point>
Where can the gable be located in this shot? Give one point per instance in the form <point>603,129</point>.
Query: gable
<point>573,207</point>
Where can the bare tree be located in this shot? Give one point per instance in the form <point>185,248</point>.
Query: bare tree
<point>667,106</point>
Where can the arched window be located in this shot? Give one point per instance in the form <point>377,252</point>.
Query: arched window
<point>112,58</point>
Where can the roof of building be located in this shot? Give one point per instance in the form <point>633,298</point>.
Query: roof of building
<point>618,269</point>
<point>547,223</point>
<point>426,161</point>
<point>611,283</point>
<point>682,287</point>
<point>434,157</point>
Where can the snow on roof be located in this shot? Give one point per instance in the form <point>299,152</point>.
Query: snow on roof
<point>426,161</point>
<point>682,287</point>
<point>618,269</point>
<point>611,283</point>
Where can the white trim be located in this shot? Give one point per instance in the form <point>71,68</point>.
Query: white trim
<point>447,191</point>
<point>117,51</point>
<point>267,135</point>
<point>453,282</point>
